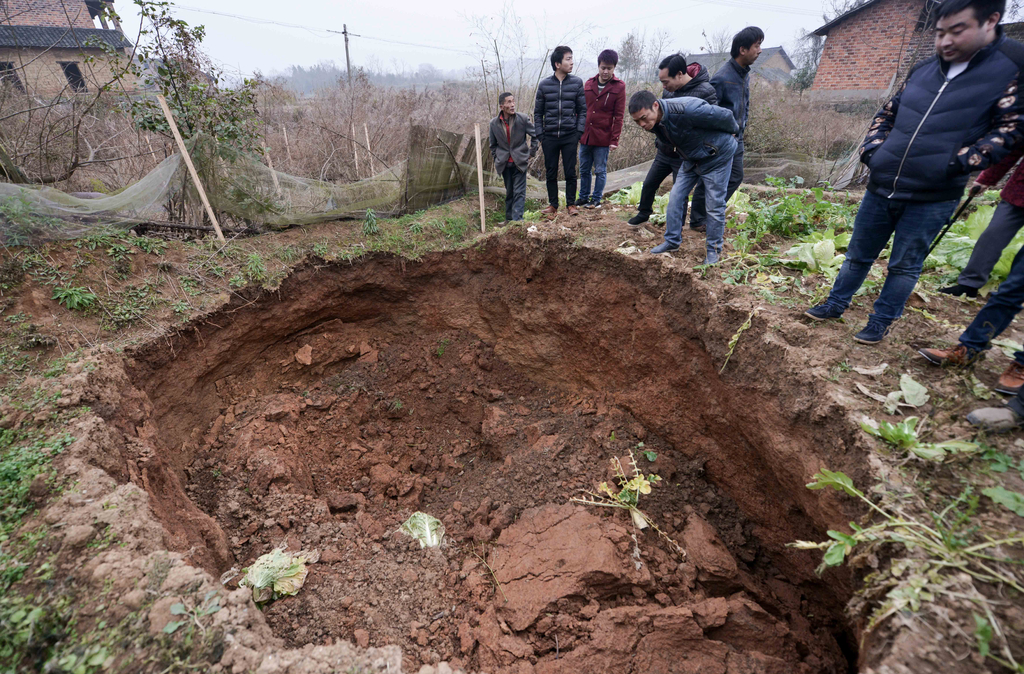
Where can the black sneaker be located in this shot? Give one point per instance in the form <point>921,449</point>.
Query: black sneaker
<point>872,333</point>
<point>638,220</point>
<point>823,312</point>
<point>699,228</point>
<point>959,290</point>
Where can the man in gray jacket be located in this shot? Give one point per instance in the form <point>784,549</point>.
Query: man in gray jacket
<point>511,154</point>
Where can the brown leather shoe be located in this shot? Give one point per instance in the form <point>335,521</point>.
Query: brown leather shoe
<point>1011,380</point>
<point>550,211</point>
<point>572,210</point>
<point>959,355</point>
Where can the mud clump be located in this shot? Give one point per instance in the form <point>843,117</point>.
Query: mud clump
<point>487,388</point>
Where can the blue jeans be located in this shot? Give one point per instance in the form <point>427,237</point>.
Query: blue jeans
<point>915,224</point>
<point>713,172</point>
<point>697,215</point>
<point>1000,310</point>
<point>596,158</point>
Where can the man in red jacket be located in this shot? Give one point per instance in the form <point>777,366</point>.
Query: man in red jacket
<point>606,106</point>
<point>1006,222</point>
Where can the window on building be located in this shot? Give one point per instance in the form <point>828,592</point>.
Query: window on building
<point>74,75</point>
<point>9,76</point>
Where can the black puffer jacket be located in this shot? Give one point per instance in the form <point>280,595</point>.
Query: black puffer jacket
<point>698,87</point>
<point>560,107</point>
<point>926,141</point>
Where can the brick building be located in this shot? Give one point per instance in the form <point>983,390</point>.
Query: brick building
<point>45,45</point>
<point>871,46</point>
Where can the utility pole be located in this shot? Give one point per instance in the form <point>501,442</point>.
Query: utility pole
<point>348,63</point>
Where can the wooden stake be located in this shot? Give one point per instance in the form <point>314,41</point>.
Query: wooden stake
<point>355,155</point>
<point>366,132</point>
<point>273,173</point>
<point>287,149</point>
<point>191,167</point>
<point>480,179</point>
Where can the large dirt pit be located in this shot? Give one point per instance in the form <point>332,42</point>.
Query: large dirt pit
<point>487,387</point>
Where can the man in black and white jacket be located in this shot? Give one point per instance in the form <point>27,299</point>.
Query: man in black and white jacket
<point>958,111</point>
<point>560,116</point>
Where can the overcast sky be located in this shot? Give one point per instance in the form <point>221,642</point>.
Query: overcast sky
<point>440,32</point>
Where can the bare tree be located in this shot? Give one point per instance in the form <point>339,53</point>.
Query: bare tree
<point>718,42</point>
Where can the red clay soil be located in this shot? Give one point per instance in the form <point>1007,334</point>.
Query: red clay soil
<point>487,387</point>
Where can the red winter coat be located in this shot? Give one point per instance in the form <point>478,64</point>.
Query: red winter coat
<point>1014,191</point>
<point>604,112</point>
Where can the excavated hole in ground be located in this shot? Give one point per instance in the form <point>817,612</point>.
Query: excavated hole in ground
<point>487,387</point>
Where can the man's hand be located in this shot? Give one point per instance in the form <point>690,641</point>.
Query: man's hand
<point>612,147</point>
<point>977,188</point>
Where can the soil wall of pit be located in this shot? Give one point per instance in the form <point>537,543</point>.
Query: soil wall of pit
<point>648,336</point>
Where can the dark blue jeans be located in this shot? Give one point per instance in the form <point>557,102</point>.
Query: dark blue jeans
<point>713,173</point>
<point>999,311</point>
<point>592,158</point>
<point>914,224</point>
<point>698,212</point>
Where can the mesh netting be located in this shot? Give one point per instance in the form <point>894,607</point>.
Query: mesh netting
<point>246,193</point>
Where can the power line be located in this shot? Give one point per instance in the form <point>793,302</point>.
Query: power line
<point>312,29</point>
<point>744,4</point>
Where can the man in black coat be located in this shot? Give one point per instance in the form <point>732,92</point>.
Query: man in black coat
<point>732,84</point>
<point>958,112</point>
<point>511,153</point>
<point>560,116</point>
<point>677,79</point>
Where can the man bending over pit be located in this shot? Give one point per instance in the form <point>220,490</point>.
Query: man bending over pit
<point>957,112</point>
<point>511,153</point>
<point>703,135</point>
<point>677,79</point>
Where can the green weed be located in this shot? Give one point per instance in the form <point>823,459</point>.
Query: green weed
<point>74,298</point>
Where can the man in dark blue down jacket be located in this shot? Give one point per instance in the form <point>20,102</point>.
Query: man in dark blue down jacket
<point>957,112</point>
<point>677,79</point>
<point>732,84</point>
<point>560,116</point>
<point>704,136</point>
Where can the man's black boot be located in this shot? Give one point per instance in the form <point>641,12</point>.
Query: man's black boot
<point>638,219</point>
<point>958,290</point>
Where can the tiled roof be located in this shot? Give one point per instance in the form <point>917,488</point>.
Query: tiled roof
<point>44,37</point>
<point>715,61</point>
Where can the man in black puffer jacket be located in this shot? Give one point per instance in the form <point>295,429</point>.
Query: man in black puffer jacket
<point>678,79</point>
<point>560,116</point>
<point>957,112</point>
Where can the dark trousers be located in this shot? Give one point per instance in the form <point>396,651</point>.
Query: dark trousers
<point>912,226</point>
<point>699,214</point>
<point>1006,222</point>
<point>566,147</point>
<point>662,166</point>
<point>1000,310</point>
<point>515,192</point>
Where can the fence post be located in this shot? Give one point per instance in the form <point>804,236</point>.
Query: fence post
<point>480,178</point>
<point>191,167</point>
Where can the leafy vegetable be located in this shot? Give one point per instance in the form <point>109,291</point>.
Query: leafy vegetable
<point>913,393</point>
<point>1011,499</point>
<point>426,529</point>
<point>277,574</point>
